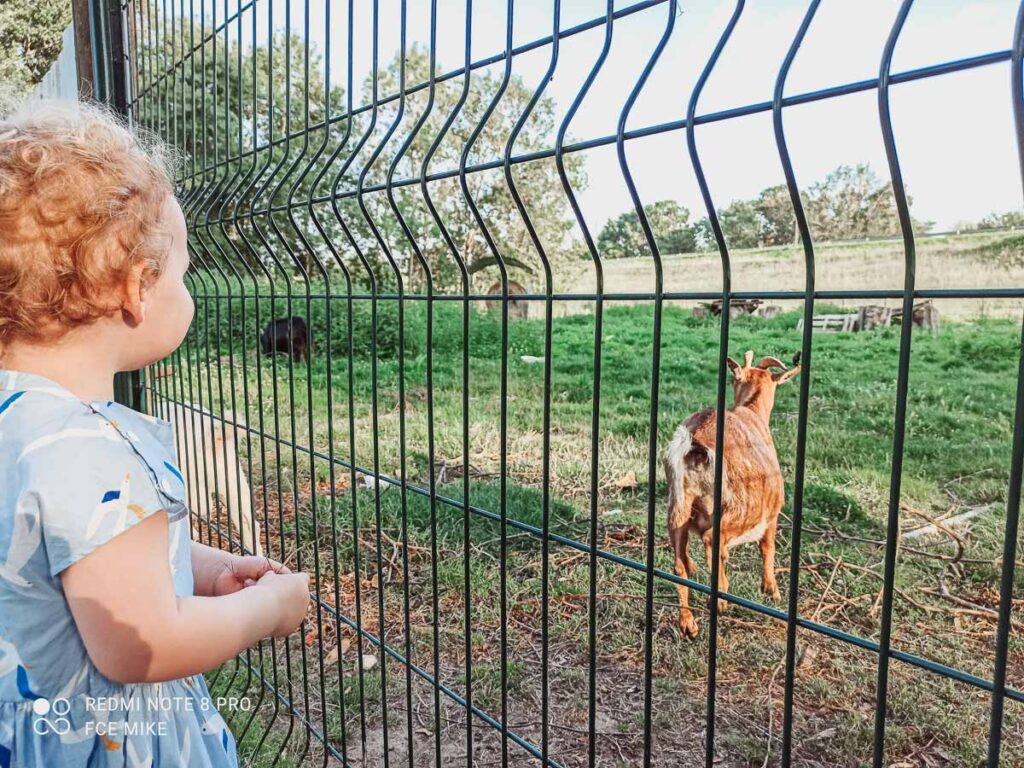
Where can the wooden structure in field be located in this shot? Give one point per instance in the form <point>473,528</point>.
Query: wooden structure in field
<point>737,307</point>
<point>872,316</point>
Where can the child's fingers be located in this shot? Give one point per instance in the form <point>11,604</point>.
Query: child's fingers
<point>252,567</point>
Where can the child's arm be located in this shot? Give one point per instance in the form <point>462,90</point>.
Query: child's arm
<point>216,572</point>
<point>137,630</point>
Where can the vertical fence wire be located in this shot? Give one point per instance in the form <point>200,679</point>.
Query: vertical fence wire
<point>595,411</point>
<point>1017,461</point>
<point>492,247</point>
<point>652,448</point>
<point>715,557</point>
<point>422,262</point>
<point>892,531</point>
<point>806,349</point>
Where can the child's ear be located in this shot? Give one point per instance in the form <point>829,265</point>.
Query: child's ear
<point>133,305</point>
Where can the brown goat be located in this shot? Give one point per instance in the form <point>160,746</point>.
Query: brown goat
<point>752,487</point>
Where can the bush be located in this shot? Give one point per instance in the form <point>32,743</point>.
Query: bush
<point>228,321</point>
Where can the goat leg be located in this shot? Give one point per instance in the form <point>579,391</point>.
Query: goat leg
<point>687,624</point>
<point>768,583</point>
<point>723,579</point>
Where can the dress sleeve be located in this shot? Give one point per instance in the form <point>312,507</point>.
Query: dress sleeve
<point>90,486</point>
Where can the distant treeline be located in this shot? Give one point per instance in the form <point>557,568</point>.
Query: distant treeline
<point>850,203</point>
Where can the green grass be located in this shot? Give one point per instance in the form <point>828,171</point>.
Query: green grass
<point>957,455</point>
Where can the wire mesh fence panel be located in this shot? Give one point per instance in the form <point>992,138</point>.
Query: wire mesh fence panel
<point>455,330</point>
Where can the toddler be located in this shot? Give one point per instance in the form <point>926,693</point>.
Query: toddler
<point>109,613</point>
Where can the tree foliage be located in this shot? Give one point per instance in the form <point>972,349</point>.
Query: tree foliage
<point>309,150</point>
<point>31,37</point>
<point>1005,220</point>
<point>853,203</point>
<point>670,223</point>
<point>537,182</point>
<point>850,203</point>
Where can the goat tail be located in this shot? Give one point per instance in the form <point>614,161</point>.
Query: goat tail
<point>682,444</point>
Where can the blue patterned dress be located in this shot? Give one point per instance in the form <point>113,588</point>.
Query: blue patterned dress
<point>73,475</point>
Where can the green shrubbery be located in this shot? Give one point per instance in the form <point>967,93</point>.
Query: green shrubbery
<point>236,322</point>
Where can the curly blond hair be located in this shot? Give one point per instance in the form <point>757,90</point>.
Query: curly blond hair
<point>81,194</point>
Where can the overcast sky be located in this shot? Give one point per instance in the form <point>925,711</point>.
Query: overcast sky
<point>955,132</point>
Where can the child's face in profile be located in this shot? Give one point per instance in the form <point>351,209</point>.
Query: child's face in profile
<point>168,306</point>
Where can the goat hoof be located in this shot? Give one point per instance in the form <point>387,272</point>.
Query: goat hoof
<point>772,593</point>
<point>688,627</point>
<point>723,606</point>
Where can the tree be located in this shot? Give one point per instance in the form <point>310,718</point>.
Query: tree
<point>1001,220</point>
<point>237,116</point>
<point>670,222</point>
<point>850,203</point>
<point>778,222</point>
<point>227,102</point>
<point>31,37</point>
<point>537,182</point>
<point>741,224</point>
<point>766,220</point>
<point>853,203</point>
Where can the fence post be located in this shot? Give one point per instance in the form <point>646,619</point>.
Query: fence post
<point>100,26</point>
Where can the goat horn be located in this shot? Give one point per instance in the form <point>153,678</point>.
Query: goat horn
<point>772,362</point>
<point>748,358</point>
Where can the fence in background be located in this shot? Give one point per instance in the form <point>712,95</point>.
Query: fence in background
<point>302,201</point>
<point>61,80</point>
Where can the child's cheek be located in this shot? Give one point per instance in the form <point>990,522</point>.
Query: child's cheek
<point>188,312</point>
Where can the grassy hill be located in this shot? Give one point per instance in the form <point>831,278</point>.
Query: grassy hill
<point>973,260</point>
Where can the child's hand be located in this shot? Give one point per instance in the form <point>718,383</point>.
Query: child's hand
<point>244,571</point>
<point>291,593</point>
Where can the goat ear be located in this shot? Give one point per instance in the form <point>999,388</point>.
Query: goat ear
<point>782,378</point>
<point>733,366</point>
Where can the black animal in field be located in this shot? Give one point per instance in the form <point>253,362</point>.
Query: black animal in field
<point>289,335</point>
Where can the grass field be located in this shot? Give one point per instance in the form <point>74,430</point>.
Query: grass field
<point>973,260</point>
<point>957,459</point>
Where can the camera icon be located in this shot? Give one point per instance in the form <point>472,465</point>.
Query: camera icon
<point>42,724</point>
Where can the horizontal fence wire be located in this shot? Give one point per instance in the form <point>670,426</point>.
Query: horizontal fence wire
<point>330,227</point>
